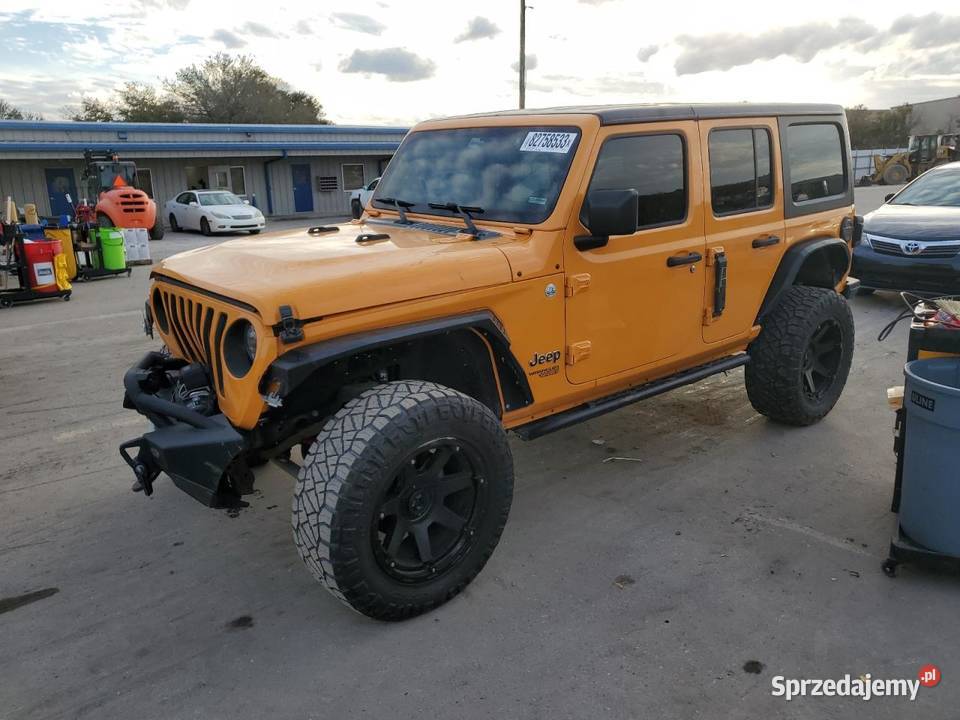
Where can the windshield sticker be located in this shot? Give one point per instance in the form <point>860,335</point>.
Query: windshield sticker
<point>552,142</point>
<point>534,200</point>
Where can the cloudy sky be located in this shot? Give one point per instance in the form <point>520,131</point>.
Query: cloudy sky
<point>399,61</point>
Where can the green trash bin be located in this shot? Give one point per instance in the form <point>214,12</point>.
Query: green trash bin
<point>111,248</point>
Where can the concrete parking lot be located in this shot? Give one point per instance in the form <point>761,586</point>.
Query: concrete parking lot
<point>673,584</point>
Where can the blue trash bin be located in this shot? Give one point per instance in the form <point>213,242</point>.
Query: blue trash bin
<point>930,494</point>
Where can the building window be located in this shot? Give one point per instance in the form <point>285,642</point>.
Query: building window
<point>352,176</point>
<point>145,181</point>
<point>740,178</point>
<point>815,156</point>
<point>327,183</point>
<point>653,165</point>
<point>238,180</point>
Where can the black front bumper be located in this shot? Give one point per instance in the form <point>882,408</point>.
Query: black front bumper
<point>940,276</point>
<point>203,455</point>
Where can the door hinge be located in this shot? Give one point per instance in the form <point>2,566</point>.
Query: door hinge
<point>717,259</point>
<point>290,328</point>
<point>578,351</point>
<point>576,283</point>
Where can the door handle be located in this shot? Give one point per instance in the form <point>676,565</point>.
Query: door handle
<point>767,241</point>
<point>688,259</point>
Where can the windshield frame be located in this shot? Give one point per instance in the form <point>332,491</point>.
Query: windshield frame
<point>905,195</point>
<point>533,124</point>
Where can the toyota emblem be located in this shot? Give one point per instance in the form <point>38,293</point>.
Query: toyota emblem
<point>912,247</point>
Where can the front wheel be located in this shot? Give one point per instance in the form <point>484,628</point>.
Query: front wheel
<point>356,209</point>
<point>174,225</point>
<point>205,227</point>
<point>255,232</point>
<point>402,498</point>
<point>800,362</point>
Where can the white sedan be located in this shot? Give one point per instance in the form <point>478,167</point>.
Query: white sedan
<point>212,211</point>
<point>360,198</point>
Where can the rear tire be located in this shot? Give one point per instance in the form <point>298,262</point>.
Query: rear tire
<point>402,498</point>
<point>156,232</point>
<point>800,362</point>
<point>895,174</point>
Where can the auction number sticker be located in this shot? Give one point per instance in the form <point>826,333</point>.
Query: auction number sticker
<point>552,142</point>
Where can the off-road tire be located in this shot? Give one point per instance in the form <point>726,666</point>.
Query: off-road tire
<point>895,174</point>
<point>774,376</point>
<point>358,458</point>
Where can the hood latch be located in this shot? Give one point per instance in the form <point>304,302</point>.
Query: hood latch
<point>291,329</point>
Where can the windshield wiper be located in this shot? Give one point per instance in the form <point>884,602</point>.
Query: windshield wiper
<point>464,212</point>
<point>401,206</point>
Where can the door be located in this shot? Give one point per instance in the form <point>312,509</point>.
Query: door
<point>302,188</point>
<point>744,221</point>
<point>637,300</point>
<point>191,212</point>
<point>60,183</point>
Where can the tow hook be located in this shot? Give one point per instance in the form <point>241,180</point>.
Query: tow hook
<point>142,469</point>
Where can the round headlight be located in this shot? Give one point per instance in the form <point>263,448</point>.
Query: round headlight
<point>240,347</point>
<point>250,341</point>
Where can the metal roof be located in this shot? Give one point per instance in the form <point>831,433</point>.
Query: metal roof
<point>623,114</point>
<point>261,147</point>
<point>240,129</point>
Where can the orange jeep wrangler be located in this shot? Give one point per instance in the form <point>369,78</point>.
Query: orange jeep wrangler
<point>521,271</point>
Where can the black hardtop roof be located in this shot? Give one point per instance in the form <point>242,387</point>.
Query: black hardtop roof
<point>654,112</point>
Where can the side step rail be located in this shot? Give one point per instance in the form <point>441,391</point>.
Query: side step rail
<point>595,408</point>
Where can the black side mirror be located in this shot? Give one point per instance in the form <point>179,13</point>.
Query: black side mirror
<point>609,212</point>
<point>888,197</point>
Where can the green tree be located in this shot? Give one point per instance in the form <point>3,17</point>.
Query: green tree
<point>234,89</point>
<point>139,102</point>
<point>871,129</point>
<point>92,110</point>
<point>11,112</point>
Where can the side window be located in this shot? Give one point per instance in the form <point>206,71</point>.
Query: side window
<point>740,178</point>
<point>373,184</point>
<point>183,198</point>
<point>653,165</point>
<point>815,155</point>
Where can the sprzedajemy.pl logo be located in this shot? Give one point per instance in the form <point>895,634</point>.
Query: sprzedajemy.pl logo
<point>865,686</point>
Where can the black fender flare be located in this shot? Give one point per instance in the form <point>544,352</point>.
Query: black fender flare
<point>819,262</point>
<point>294,367</point>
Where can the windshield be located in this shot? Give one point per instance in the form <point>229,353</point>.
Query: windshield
<point>219,198</point>
<point>940,188</point>
<point>109,172</point>
<point>514,174</point>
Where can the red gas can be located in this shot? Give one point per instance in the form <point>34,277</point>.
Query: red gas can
<point>39,256</point>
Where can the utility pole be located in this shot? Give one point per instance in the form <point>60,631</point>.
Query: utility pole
<point>523,54</point>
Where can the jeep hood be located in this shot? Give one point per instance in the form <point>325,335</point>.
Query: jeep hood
<point>323,274</point>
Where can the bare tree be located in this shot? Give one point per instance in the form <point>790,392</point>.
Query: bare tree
<point>11,112</point>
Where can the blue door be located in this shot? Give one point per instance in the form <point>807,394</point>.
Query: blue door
<point>302,188</point>
<point>60,183</point>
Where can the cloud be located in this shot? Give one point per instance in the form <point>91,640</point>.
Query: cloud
<point>303,27</point>
<point>396,64</point>
<point>478,29</point>
<point>722,51</point>
<point>229,39</point>
<point>359,23</point>
<point>942,62</point>
<point>258,29</point>
<point>631,84</point>
<point>645,53</point>
<point>928,31</point>
<point>531,64</point>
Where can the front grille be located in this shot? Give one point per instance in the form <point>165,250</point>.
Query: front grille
<point>242,217</point>
<point>927,249</point>
<point>197,330</point>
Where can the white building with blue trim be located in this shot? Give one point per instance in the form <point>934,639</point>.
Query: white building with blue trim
<point>285,170</point>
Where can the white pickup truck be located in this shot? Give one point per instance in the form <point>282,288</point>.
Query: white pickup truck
<point>360,198</point>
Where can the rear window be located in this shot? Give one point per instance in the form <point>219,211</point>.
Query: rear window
<point>815,155</point>
<point>740,179</point>
<point>653,165</point>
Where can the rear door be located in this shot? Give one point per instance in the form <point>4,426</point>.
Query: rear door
<point>637,301</point>
<point>744,221</point>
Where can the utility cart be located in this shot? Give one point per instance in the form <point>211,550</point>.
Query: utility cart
<point>31,264</point>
